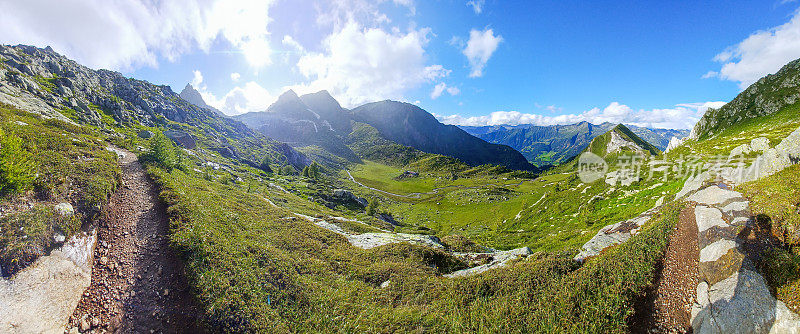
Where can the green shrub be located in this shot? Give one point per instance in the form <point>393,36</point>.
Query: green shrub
<point>162,152</point>
<point>782,270</point>
<point>372,207</point>
<point>17,168</point>
<point>288,170</point>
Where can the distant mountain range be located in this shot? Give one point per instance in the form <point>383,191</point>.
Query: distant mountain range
<point>555,144</point>
<point>317,125</point>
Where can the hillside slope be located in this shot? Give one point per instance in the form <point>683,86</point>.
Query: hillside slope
<point>767,96</point>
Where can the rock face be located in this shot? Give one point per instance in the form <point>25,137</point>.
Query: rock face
<point>64,209</point>
<point>42,297</point>
<point>347,195</point>
<point>674,143</point>
<point>191,95</point>
<point>181,138</point>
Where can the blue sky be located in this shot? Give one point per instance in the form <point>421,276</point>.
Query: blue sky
<point>471,62</point>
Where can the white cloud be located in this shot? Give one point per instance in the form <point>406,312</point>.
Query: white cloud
<point>290,42</point>
<point>681,116</point>
<point>441,88</point>
<point>477,5</point>
<point>762,53</point>
<point>359,64</point>
<point>338,13</point>
<point>197,79</point>
<point>480,47</point>
<point>235,76</point>
<point>550,108</point>
<point>126,34</point>
<point>241,99</point>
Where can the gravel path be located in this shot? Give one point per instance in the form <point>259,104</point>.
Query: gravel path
<point>667,307</point>
<point>138,282</point>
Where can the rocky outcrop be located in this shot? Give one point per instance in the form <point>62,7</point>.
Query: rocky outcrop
<point>347,195</point>
<point>674,143</point>
<point>42,297</point>
<point>613,235</point>
<point>494,260</point>
<point>773,160</point>
<point>181,138</point>
<point>372,240</point>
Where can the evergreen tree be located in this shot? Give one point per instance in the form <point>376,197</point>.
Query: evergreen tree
<point>372,208</point>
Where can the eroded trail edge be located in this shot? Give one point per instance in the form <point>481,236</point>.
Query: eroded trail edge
<point>138,280</point>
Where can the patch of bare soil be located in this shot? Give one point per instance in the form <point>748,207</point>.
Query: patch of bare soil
<point>138,280</point>
<point>667,307</point>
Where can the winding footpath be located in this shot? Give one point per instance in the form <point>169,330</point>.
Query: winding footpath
<point>138,283</point>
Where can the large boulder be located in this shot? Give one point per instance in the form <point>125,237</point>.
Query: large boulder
<point>181,138</point>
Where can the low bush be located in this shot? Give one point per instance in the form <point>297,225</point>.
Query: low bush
<point>162,152</point>
<point>17,168</point>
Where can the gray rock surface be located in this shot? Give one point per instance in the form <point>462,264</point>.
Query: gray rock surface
<point>613,235</point>
<point>42,297</point>
<point>64,209</point>
<point>499,259</point>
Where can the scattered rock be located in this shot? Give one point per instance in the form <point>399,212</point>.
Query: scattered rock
<point>64,209</point>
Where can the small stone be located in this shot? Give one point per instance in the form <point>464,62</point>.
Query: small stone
<point>103,260</point>
<point>95,322</point>
<point>166,292</point>
<point>85,326</point>
<point>65,209</point>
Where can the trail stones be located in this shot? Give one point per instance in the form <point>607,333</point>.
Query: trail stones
<point>731,296</point>
<point>612,235</point>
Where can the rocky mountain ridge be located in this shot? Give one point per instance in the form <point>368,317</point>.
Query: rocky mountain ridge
<point>767,96</point>
<point>44,82</point>
<point>318,120</point>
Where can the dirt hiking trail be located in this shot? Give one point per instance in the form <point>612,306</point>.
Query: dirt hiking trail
<point>138,280</point>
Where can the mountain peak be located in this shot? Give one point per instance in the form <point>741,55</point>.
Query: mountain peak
<point>288,95</point>
<point>620,138</point>
<point>191,95</point>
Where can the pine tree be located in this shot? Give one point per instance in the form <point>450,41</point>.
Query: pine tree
<point>372,208</point>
